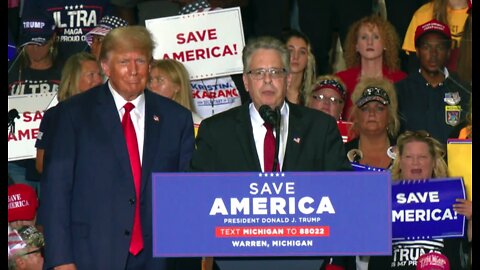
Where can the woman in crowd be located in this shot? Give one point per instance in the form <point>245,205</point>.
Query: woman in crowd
<point>328,95</point>
<point>371,51</point>
<point>419,156</point>
<point>375,125</point>
<point>80,73</point>
<point>302,67</point>
<point>375,122</point>
<point>169,78</point>
<point>36,70</point>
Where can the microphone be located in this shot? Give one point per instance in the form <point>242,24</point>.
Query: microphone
<point>268,115</point>
<point>272,117</point>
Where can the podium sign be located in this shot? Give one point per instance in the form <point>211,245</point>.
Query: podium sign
<point>281,214</point>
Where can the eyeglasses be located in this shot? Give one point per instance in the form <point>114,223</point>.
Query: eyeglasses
<point>330,100</point>
<point>275,73</point>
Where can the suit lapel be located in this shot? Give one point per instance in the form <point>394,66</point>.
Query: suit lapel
<point>153,124</point>
<point>110,121</point>
<point>244,134</point>
<point>296,131</point>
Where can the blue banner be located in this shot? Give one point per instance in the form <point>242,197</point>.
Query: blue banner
<point>281,214</point>
<point>423,209</point>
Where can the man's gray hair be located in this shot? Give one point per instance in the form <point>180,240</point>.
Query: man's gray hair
<point>265,42</point>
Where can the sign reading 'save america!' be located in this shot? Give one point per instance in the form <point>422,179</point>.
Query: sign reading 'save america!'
<point>25,112</point>
<point>279,214</point>
<point>209,44</point>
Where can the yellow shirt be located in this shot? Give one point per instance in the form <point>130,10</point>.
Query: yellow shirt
<point>456,22</point>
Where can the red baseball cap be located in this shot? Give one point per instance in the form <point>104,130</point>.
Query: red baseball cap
<point>433,261</point>
<point>22,202</point>
<point>432,26</point>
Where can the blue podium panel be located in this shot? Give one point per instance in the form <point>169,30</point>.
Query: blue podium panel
<point>280,214</point>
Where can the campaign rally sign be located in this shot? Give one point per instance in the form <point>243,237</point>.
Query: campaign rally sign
<point>423,209</point>
<point>25,112</point>
<point>273,214</point>
<point>459,156</point>
<point>209,43</point>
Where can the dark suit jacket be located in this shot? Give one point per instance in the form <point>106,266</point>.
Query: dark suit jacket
<point>87,200</point>
<point>225,143</point>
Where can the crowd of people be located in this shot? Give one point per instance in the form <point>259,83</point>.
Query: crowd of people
<point>85,201</point>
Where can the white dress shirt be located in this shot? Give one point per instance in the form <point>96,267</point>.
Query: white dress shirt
<point>137,115</point>
<point>259,131</point>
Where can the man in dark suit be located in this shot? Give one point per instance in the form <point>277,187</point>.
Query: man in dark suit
<point>234,140</point>
<point>90,201</point>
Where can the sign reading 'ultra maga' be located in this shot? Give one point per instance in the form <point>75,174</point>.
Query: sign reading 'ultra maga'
<point>209,44</point>
<point>281,214</point>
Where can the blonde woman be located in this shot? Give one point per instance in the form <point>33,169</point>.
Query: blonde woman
<point>170,78</point>
<point>419,156</point>
<point>80,73</point>
<point>375,122</point>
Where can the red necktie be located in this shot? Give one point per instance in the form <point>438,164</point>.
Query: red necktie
<point>136,243</point>
<point>269,149</point>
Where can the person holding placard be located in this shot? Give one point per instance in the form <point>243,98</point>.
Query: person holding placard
<point>419,156</point>
<point>36,70</point>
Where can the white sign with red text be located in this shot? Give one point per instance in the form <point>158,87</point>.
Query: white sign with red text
<point>25,112</point>
<point>209,44</point>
